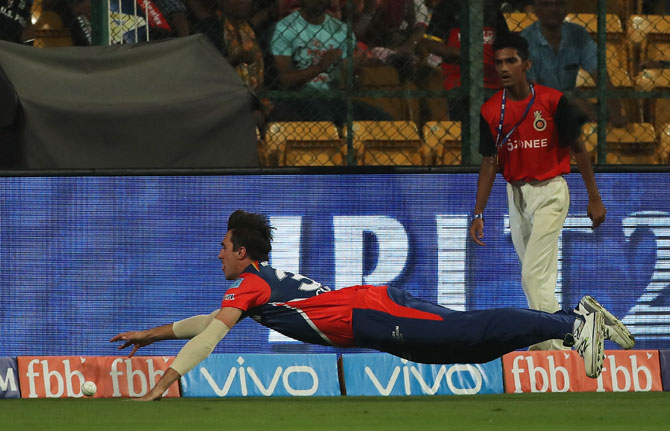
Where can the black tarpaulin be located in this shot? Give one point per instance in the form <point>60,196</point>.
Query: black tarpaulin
<point>168,104</point>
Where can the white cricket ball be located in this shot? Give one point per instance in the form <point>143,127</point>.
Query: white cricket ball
<point>88,388</point>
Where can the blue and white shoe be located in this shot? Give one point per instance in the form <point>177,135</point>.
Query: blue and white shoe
<point>615,330</point>
<point>589,335</point>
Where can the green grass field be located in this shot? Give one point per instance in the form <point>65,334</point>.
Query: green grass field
<point>537,412</point>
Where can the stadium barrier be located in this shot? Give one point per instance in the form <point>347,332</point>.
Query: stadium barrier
<point>358,374</point>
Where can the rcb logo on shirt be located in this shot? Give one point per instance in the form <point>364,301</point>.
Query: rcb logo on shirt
<point>540,123</point>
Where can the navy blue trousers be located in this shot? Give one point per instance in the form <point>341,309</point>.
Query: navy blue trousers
<point>460,336</point>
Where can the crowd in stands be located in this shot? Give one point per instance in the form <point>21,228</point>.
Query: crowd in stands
<point>314,46</point>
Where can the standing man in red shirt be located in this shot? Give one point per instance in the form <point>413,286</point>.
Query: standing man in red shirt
<point>528,132</point>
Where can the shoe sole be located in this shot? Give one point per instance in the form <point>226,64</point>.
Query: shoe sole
<point>598,345</point>
<point>626,339</point>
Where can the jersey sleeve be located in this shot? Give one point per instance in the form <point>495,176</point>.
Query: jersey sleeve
<point>569,121</point>
<point>487,147</point>
<point>248,292</point>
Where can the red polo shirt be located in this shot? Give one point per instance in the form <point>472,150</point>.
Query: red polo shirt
<point>539,148</point>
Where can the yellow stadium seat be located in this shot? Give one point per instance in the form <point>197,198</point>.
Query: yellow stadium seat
<point>620,7</point>
<point>652,32</point>
<point>386,78</point>
<point>49,31</point>
<point>649,37</point>
<point>633,144</point>
<point>618,65</point>
<point>613,25</point>
<point>617,71</point>
<point>660,109</point>
<point>304,143</point>
<point>518,21</point>
<point>443,138</point>
<point>650,80</point>
<point>584,79</point>
<point>389,143</point>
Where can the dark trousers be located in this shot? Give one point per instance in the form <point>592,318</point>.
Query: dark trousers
<point>458,336</point>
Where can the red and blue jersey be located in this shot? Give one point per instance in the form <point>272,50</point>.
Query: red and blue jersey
<point>306,310</point>
<point>386,319</point>
<point>293,305</point>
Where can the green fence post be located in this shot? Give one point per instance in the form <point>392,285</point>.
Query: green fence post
<point>472,76</point>
<point>602,82</point>
<point>349,89</point>
<point>100,22</point>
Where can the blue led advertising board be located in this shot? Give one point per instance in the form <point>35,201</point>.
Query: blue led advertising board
<point>83,258</point>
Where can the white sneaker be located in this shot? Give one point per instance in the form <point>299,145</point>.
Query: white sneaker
<point>614,329</point>
<point>590,342</point>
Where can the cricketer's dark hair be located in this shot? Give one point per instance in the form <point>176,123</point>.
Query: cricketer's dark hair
<point>515,41</point>
<point>251,231</point>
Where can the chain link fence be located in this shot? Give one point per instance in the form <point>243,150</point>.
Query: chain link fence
<point>378,82</point>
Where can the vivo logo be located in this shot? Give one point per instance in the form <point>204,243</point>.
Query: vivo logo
<point>429,384</point>
<point>244,376</point>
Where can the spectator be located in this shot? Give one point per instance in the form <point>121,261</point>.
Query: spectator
<point>175,13</point>
<point>80,24</point>
<point>517,6</point>
<point>445,44</point>
<point>558,49</point>
<point>309,47</point>
<point>205,18</point>
<point>233,35</point>
<point>264,13</point>
<point>393,25</point>
<point>287,7</point>
<point>428,75</point>
<point>240,46</point>
<point>15,25</point>
<point>76,18</point>
<point>392,30</point>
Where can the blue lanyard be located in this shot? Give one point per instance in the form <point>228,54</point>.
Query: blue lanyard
<point>500,143</point>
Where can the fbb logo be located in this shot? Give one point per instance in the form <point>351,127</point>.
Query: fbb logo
<point>563,371</point>
<point>62,376</point>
